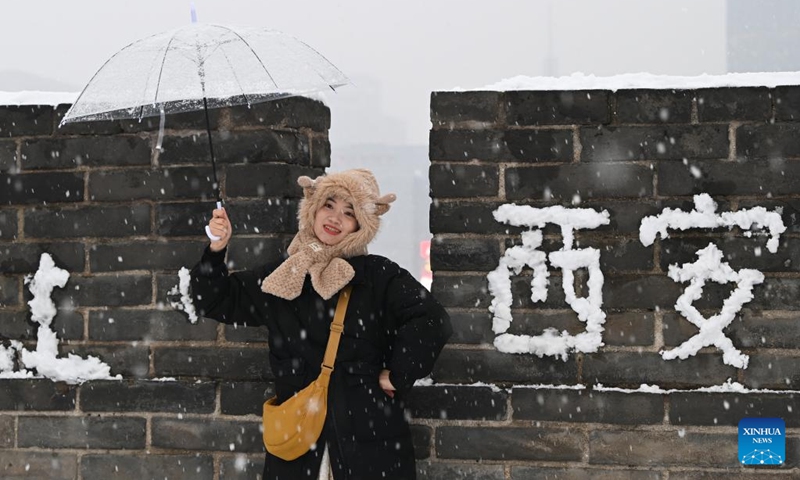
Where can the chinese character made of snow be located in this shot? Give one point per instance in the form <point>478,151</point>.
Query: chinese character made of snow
<point>550,342</point>
<point>710,266</point>
<point>44,360</point>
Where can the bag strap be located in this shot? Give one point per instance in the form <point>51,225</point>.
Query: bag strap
<point>336,328</point>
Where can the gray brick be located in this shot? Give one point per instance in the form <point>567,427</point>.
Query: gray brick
<point>241,467</point>
<point>128,361</point>
<point>777,294</point>
<point>510,145</point>
<point>227,363</point>
<point>659,449</point>
<point>726,409</point>
<point>37,394</point>
<point>95,151</point>
<point>173,121</point>
<point>460,471</point>
<point>8,156</point>
<point>105,290</point>
<point>7,435</point>
<point>509,443</point>
<point>557,107</point>
<point>586,181</point>
<point>533,323</point>
<point>104,127</point>
<point>583,406</point>
<point>266,180</point>
<point>768,370</point>
<point>759,329</point>
<point>491,366</point>
<point>320,151</point>
<point>654,106</point>
<point>165,184</point>
<point>147,255</point>
<point>249,252</point>
<point>207,435</point>
<point>450,180</point>
<point>738,252</point>
<point>147,467</point>
<point>740,103</point>
<point>25,257</point>
<point>87,221</point>
<point>18,465</point>
<point>672,142</point>
<point>728,178</point>
<point>646,292</point>
<point>86,432</point>
<point>471,326</point>
<point>787,103</point>
<point>239,333</point>
<point>291,112</point>
<point>9,290</point>
<point>148,325</point>
<point>183,219</point>
<point>472,291</point>
<point>574,473</point>
<point>237,147</point>
<point>464,254</point>
<point>743,473</point>
<point>244,398</point>
<point>8,224</point>
<point>148,396</point>
<point>467,217</point>
<point>17,324</point>
<point>623,369</point>
<point>768,140</point>
<point>453,402</point>
<point>629,328</point>
<point>421,436</point>
<point>23,120</point>
<point>620,254</point>
<point>472,110</point>
<point>39,188</point>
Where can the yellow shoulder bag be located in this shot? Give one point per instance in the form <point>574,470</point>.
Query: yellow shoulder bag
<point>293,426</point>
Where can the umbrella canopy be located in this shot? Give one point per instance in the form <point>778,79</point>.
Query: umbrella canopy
<point>202,66</point>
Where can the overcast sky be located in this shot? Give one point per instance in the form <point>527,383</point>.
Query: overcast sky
<point>396,52</point>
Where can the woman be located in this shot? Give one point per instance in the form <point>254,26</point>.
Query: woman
<point>393,329</point>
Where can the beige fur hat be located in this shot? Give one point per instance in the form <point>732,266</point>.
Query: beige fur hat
<point>360,189</point>
<point>324,263</point>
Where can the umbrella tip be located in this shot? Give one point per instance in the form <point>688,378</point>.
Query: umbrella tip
<point>194,12</point>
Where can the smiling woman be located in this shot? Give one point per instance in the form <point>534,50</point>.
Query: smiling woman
<point>393,328</point>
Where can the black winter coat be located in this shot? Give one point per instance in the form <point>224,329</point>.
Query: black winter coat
<point>392,322</point>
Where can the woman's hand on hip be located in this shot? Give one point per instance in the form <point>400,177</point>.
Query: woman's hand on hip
<point>220,226</point>
<point>386,384</point>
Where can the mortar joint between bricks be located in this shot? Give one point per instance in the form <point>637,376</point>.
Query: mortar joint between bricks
<point>695,116</point>
<point>732,128</point>
<point>577,146</point>
<point>501,182</point>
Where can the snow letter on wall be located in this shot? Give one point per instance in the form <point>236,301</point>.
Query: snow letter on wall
<point>710,266</point>
<point>589,311</point>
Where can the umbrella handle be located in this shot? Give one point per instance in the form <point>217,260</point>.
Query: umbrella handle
<point>210,235</point>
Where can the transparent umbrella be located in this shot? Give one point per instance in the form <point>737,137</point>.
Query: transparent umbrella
<point>202,66</point>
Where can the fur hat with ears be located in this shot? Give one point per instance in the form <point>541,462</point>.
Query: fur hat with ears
<point>357,187</point>
<point>325,263</point>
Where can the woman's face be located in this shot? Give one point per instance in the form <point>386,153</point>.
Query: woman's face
<point>334,220</point>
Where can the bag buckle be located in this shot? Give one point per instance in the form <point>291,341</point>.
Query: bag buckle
<point>337,328</point>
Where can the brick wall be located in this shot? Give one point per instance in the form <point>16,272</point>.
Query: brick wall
<point>134,216</point>
<point>632,153</point>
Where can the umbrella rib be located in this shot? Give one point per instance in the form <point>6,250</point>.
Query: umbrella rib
<point>227,59</point>
<point>329,63</point>
<point>160,73</point>
<point>253,52</point>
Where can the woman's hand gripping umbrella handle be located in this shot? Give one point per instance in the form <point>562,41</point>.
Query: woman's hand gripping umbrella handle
<point>211,236</point>
<point>219,229</point>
